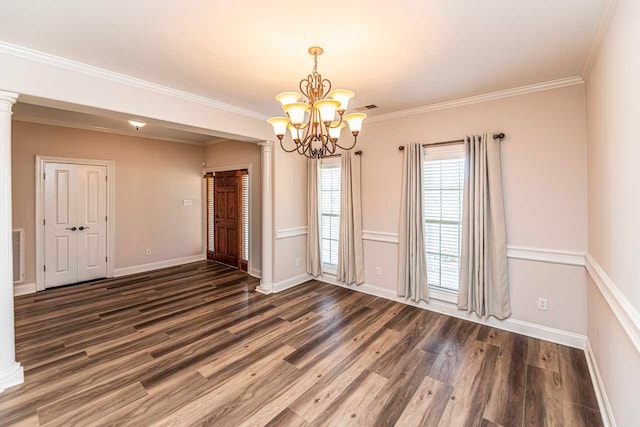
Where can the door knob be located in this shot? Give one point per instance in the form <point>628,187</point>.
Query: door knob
<point>71,228</point>
<point>83,228</point>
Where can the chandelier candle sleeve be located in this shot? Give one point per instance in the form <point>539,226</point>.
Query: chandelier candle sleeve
<point>311,115</point>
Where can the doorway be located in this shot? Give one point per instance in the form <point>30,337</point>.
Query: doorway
<point>73,207</point>
<point>228,213</point>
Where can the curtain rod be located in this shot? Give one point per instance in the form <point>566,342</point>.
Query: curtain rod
<point>499,136</point>
<point>357,153</point>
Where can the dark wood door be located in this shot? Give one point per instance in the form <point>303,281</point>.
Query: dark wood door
<point>226,218</point>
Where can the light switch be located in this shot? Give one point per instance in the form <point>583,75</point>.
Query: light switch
<point>187,202</point>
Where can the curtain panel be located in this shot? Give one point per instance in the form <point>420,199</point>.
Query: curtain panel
<point>412,264</point>
<point>484,281</point>
<point>314,261</point>
<point>350,250</point>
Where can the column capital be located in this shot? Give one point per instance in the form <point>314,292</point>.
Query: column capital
<point>8,97</point>
<point>266,145</point>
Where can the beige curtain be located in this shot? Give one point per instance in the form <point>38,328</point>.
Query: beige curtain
<point>484,281</point>
<point>412,264</point>
<point>350,253</point>
<point>314,262</point>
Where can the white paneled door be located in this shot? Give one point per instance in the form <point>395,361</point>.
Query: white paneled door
<point>75,215</point>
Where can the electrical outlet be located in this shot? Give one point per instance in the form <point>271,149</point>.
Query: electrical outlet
<point>378,271</point>
<point>298,261</point>
<point>187,202</point>
<point>147,252</point>
<point>542,304</point>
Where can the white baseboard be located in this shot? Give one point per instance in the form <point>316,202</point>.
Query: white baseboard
<point>601,394</point>
<point>291,282</point>
<point>134,269</point>
<point>11,377</point>
<point>24,289</point>
<point>512,325</point>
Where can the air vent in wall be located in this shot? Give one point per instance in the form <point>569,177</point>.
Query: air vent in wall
<point>18,255</point>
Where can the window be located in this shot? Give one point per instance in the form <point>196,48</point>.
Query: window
<point>244,196</point>
<point>329,212</point>
<point>443,197</point>
<point>210,214</point>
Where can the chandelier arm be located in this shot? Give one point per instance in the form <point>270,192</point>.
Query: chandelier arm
<point>328,89</point>
<point>355,140</point>
<point>288,151</point>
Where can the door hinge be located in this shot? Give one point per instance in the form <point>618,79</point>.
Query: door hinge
<point>106,178</point>
<point>44,176</point>
<point>45,268</point>
<point>106,218</point>
<point>44,222</point>
<point>106,259</point>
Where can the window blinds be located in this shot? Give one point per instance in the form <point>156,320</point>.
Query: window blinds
<point>329,213</point>
<point>245,216</point>
<point>210,213</point>
<point>443,197</point>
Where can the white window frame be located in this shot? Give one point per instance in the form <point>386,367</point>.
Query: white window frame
<point>332,162</point>
<point>443,152</point>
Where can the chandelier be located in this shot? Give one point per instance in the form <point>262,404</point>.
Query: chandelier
<point>312,120</point>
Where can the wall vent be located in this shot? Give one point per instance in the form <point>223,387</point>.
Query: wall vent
<point>18,255</point>
<point>365,107</point>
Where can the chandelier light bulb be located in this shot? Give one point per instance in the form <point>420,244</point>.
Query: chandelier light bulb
<point>355,121</point>
<point>296,112</point>
<point>327,108</point>
<point>286,98</point>
<point>279,125</point>
<point>342,96</point>
<point>296,134</point>
<point>335,130</point>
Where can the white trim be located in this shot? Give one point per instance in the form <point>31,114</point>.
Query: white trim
<point>41,162</point>
<point>285,233</point>
<point>214,169</point>
<point>555,256</point>
<point>628,317</point>
<point>291,282</point>
<point>518,326</point>
<point>134,269</point>
<point>11,377</point>
<point>66,124</point>
<point>22,254</point>
<point>380,236</point>
<point>606,411</point>
<point>522,90</point>
<point>598,36</point>
<point>46,58</point>
<point>24,289</point>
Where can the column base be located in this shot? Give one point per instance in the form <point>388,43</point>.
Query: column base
<point>11,377</point>
<point>265,288</point>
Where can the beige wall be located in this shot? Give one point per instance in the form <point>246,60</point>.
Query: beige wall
<point>545,189</point>
<point>290,211</point>
<point>613,114</point>
<point>234,153</point>
<point>152,180</point>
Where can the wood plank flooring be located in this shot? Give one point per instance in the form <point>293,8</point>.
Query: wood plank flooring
<point>195,345</point>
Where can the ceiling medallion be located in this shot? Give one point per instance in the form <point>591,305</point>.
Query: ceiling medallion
<point>312,120</point>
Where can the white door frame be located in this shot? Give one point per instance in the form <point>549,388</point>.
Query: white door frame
<point>214,169</point>
<point>41,162</point>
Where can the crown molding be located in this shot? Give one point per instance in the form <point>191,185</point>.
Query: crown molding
<point>522,90</point>
<point>598,36</point>
<point>46,58</point>
<point>60,123</point>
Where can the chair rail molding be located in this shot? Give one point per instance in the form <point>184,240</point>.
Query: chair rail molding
<point>555,256</point>
<point>626,314</point>
<point>285,233</point>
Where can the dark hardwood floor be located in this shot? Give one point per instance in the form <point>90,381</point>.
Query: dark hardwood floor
<point>195,345</point>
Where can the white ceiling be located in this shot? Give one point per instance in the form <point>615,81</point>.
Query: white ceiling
<point>398,55</point>
<point>111,123</point>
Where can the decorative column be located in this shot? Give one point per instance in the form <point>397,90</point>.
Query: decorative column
<point>266,282</point>
<point>10,371</point>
